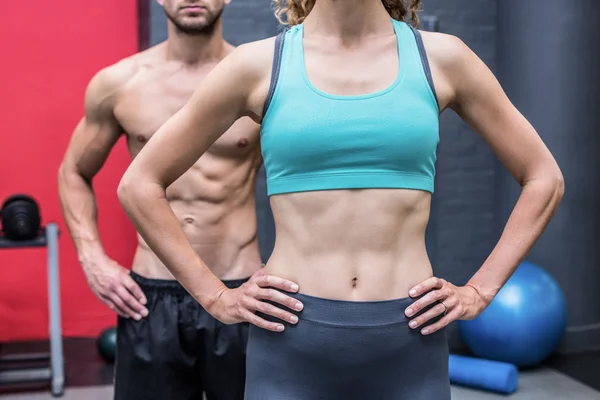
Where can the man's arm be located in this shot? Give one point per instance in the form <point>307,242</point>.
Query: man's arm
<point>90,146</point>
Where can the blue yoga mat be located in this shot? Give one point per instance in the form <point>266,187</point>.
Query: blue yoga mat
<point>483,374</point>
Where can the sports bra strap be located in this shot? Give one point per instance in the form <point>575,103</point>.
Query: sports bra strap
<point>424,60</point>
<point>279,40</point>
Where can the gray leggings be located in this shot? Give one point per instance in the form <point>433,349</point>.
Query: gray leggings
<point>347,350</point>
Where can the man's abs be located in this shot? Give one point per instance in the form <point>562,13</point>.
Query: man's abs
<point>219,220</point>
<point>214,200</point>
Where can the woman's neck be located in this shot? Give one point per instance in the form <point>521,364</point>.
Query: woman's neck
<point>348,18</point>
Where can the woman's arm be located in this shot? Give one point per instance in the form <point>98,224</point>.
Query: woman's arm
<point>468,87</point>
<point>232,90</point>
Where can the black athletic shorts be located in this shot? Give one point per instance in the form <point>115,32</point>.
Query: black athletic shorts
<point>179,351</point>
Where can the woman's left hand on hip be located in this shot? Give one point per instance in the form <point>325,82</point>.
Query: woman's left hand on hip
<point>453,303</point>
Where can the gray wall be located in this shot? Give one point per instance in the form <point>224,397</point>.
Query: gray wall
<point>547,57</point>
<point>466,211</point>
<point>550,68</point>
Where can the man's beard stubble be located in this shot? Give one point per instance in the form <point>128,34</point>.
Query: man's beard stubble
<point>205,28</point>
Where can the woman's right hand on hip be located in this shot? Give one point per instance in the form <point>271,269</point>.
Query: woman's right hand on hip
<point>241,304</point>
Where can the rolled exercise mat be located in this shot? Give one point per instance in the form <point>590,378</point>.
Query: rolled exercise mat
<point>493,376</point>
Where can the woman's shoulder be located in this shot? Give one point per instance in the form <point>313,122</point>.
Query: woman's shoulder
<point>255,58</point>
<point>251,65</point>
<point>454,66</point>
<point>446,51</point>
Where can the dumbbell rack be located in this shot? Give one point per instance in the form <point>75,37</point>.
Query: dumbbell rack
<point>24,368</point>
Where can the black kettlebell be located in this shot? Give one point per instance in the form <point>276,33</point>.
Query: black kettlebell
<point>20,216</point>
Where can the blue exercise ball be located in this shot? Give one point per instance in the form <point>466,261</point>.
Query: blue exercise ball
<point>524,323</point>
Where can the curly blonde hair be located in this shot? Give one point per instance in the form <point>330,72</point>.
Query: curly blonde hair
<point>293,12</point>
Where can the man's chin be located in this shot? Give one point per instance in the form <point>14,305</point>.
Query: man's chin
<point>193,27</point>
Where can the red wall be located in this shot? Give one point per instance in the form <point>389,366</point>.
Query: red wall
<point>49,51</point>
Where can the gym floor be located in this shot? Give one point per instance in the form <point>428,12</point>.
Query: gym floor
<point>89,378</point>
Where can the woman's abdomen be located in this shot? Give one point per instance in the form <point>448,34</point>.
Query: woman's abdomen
<point>359,245</point>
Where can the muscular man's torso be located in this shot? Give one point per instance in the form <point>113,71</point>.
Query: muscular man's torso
<point>214,200</point>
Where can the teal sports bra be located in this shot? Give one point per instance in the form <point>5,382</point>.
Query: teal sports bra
<point>312,140</point>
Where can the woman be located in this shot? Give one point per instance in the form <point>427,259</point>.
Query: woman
<point>349,99</point>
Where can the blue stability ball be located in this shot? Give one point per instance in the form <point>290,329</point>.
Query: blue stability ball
<point>524,323</point>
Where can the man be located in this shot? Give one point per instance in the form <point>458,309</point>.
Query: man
<point>168,346</point>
